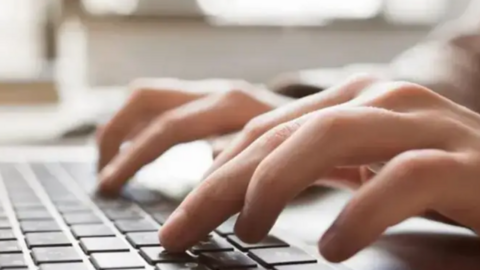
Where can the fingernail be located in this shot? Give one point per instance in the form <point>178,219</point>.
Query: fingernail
<point>173,233</point>
<point>330,245</point>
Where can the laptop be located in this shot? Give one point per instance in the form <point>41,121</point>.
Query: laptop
<point>51,220</point>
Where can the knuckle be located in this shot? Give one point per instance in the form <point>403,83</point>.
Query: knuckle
<point>255,127</point>
<point>410,91</point>
<point>333,123</point>
<point>279,134</point>
<point>416,168</point>
<point>235,95</point>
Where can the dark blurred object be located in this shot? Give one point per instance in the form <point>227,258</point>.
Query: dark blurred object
<point>298,90</point>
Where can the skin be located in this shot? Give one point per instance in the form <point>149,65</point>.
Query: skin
<point>429,143</point>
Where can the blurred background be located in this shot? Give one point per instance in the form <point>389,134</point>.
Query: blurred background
<point>76,56</point>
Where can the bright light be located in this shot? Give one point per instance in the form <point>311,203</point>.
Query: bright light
<point>287,10</point>
<point>121,7</point>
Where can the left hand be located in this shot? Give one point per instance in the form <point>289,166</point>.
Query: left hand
<point>431,146</point>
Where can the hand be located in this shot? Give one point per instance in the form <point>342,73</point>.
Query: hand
<point>157,119</point>
<point>430,145</point>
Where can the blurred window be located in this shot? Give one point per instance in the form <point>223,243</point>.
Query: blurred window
<point>20,37</point>
<point>315,12</point>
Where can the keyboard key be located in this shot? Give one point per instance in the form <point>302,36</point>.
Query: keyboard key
<point>181,266</point>
<point>143,239</point>
<point>122,260</point>
<point>306,267</point>
<point>39,226</point>
<point>227,227</point>
<point>22,205</point>
<point>161,217</point>
<point>164,208</point>
<point>269,242</point>
<point>64,266</point>
<point>212,244</point>
<point>227,260</point>
<point>5,224</point>
<point>104,203</point>
<point>72,208</point>
<point>281,256</point>
<point>116,214</point>
<point>33,215</point>
<point>55,255</point>
<point>126,226</point>
<point>14,261</point>
<point>142,195</point>
<point>81,218</point>
<point>103,244</point>
<point>7,234</point>
<point>47,239</point>
<point>91,230</point>
<point>158,255</point>
<point>10,247</point>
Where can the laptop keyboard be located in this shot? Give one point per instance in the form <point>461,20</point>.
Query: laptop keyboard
<point>51,222</point>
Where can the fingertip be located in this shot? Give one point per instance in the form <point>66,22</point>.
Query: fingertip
<point>247,235</point>
<point>173,235</point>
<point>330,247</point>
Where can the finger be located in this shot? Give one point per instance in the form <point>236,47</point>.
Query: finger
<point>331,138</point>
<point>141,107</point>
<point>407,186</point>
<point>223,191</point>
<point>215,114</point>
<point>256,128</point>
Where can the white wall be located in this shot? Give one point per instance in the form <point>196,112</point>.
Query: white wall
<point>120,50</point>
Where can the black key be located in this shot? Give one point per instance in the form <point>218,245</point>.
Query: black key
<point>91,230</point>
<point>269,242</point>
<point>136,226</point>
<point>227,260</point>
<point>5,224</point>
<point>9,247</point>
<point>64,266</point>
<point>33,215</point>
<point>159,255</point>
<point>55,255</point>
<point>306,267</point>
<point>103,244</point>
<point>227,227</point>
<point>47,239</point>
<point>142,195</point>
<point>39,226</point>
<point>212,244</point>
<point>72,208</point>
<point>143,239</point>
<point>7,234</point>
<point>181,266</point>
<point>281,256</point>
<point>81,218</point>
<point>14,261</point>
<point>117,214</point>
<point>164,208</point>
<point>116,260</point>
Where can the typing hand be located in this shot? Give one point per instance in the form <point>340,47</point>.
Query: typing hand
<point>156,119</point>
<point>431,146</point>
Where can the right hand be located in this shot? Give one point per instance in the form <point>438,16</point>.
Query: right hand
<point>155,119</point>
